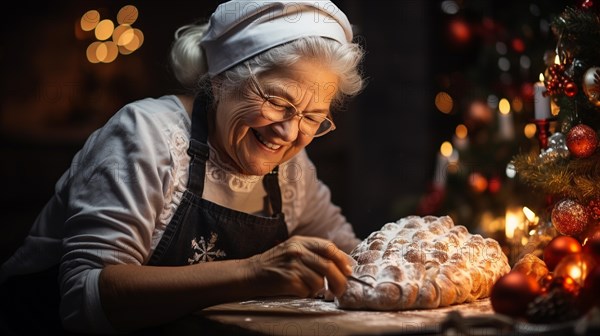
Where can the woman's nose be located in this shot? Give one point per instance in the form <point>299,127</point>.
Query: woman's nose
<point>288,129</point>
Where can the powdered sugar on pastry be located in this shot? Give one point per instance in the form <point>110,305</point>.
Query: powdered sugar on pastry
<point>423,262</point>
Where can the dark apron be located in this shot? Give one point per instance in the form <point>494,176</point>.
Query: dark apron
<point>201,230</point>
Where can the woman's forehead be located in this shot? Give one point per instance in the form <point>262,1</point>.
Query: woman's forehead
<point>299,77</point>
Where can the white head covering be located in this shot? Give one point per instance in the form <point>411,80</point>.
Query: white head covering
<point>239,30</point>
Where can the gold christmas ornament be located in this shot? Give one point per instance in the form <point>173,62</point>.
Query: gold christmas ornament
<point>591,85</point>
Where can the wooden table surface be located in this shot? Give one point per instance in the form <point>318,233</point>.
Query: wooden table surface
<point>291,316</point>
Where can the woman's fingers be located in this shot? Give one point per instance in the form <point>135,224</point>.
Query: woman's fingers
<point>325,267</point>
<point>300,264</point>
<point>324,258</point>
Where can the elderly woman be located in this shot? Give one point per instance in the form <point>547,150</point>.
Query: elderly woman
<point>182,202</point>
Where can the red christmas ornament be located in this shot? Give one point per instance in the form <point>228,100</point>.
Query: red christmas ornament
<point>559,247</point>
<point>582,141</point>
<point>569,217</point>
<point>594,207</point>
<point>570,89</point>
<point>577,266</point>
<point>494,184</point>
<point>587,4</point>
<point>512,293</point>
<point>564,283</point>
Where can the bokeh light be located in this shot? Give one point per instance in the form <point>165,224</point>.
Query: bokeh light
<point>446,149</point>
<point>90,20</point>
<point>124,39</point>
<point>104,29</point>
<point>127,15</point>
<point>461,131</point>
<point>444,102</point>
<point>504,106</point>
<point>529,130</point>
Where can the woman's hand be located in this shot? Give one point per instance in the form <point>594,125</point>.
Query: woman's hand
<point>298,267</point>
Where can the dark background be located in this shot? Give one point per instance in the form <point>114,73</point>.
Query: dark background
<point>378,163</point>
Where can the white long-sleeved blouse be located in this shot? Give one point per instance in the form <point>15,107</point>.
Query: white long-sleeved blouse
<point>114,202</point>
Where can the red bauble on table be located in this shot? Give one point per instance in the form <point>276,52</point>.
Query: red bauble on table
<point>512,293</point>
<point>569,217</point>
<point>559,247</point>
<point>577,266</point>
<point>582,141</point>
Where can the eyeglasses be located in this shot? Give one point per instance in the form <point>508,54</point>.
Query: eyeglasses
<point>279,109</point>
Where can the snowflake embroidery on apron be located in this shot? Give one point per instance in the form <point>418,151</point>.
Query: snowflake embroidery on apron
<point>204,251</point>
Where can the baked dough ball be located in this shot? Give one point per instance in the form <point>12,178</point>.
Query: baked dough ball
<point>422,262</point>
<point>532,266</point>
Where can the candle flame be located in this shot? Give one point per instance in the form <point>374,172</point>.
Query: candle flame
<point>541,77</point>
<point>530,215</point>
<point>511,224</point>
<point>504,106</point>
<point>446,149</point>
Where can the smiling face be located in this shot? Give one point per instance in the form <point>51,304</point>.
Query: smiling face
<point>253,144</point>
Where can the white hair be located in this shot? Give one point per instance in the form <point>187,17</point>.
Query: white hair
<point>188,61</point>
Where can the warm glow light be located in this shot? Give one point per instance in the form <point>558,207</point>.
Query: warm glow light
<point>91,52</point>
<point>575,272</point>
<point>127,15</point>
<point>444,102</point>
<point>90,20</point>
<point>101,52</point>
<point>124,39</point>
<point>104,29</point>
<point>461,131</point>
<point>135,43</point>
<point>446,149</point>
<point>478,182</point>
<point>123,35</point>
<point>517,104</point>
<point>541,77</point>
<point>529,214</point>
<point>112,51</point>
<point>140,38</point>
<point>512,220</point>
<point>529,130</point>
<point>556,60</point>
<point>504,106</point>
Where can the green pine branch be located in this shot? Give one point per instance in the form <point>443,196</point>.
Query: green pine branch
<point>574,178</point>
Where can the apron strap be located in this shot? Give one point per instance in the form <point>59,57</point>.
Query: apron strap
<point>271,184</point>
<point>198,150</point>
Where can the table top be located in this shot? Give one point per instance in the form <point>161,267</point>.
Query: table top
<point>293,316</point>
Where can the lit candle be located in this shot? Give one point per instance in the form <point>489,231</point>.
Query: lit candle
<point>511,223</point>
<point>505,120</point>
<point>441,167</point>
<point>541,102</point>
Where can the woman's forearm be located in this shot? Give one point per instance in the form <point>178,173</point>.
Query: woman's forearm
<point>135,296</point>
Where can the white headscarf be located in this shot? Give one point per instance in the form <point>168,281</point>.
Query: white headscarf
<point>239,30</point>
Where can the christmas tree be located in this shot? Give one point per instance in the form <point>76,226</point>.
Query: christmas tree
<point>567,168</point>
<point>557,276</point>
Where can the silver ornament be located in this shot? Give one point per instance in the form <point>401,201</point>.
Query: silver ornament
<point>557,139</point>
<point>591,85</point>
<point>557,149</point>
<point>511,170</point>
